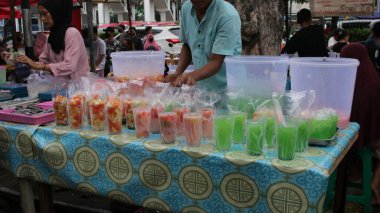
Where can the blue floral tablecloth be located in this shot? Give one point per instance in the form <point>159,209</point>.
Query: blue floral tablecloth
<point>173,178</point>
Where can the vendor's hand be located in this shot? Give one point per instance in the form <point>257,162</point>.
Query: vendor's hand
<point>184,79</point>
<point>171,77</point>
<point>26,60</point>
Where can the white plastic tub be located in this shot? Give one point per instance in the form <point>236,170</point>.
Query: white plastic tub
<point>257,76</point>
<point>135,64</point>
<point>333,80</point>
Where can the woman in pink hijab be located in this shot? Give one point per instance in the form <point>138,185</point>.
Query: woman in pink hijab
<point>150,44</point>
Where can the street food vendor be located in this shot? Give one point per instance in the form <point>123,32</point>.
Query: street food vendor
<point>210,31</point>
<point>65,54</point>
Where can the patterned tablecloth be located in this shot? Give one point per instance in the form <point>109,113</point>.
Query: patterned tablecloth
<point>172,178</point>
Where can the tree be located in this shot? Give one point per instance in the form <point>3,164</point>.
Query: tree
<point>262,24</point>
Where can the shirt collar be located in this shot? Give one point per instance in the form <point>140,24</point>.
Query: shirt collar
<point>210,7</point>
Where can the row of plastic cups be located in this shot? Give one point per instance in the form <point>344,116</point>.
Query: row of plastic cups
<point>291,137</point>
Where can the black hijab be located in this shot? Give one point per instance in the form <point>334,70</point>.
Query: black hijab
<point>61,11</point>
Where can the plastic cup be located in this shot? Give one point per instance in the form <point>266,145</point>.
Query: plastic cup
<point>167,126</point>
<point>180,111</point>
<point>98,115</point>
<point>129,115</point>
<point>114,112</point>
<point>208,123</point>
<point>270,132</point>
<point>255,137</point>
<point>239,127</point>
<point>287,139</point>
<point>303,135</point>
<point>142,121</point>
<point>76,111</point>
<point>193,128</point>
<point>154,121</point>
<point>60,110</point>
<point>131,104</point>
<point>224,127</point>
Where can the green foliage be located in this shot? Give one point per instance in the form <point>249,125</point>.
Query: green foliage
<point>358,34</point>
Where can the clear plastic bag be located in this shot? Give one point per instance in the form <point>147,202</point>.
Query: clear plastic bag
<point>39,82</point>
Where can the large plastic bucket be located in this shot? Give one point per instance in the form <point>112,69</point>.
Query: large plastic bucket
<point>333,80</point>
<point>135,64</point>
<point>257,76</point>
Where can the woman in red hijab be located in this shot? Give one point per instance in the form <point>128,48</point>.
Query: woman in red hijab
<point>366,107</point>
<point>150,43</point>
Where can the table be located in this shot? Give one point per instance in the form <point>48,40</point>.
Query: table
<point>174,177</point>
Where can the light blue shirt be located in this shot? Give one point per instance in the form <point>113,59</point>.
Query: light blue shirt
<point>218,33</point>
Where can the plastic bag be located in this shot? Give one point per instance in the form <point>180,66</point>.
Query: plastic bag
<point>59,98</point>
<point>39,82</point>
<point>76,104</point>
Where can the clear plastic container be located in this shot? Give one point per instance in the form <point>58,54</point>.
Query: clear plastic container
<point>135,64</point>
<point>333,80</point>
<point>257,76</point>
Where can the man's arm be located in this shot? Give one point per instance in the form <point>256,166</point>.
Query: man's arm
<point>210,69</point>
<point>184,59</point>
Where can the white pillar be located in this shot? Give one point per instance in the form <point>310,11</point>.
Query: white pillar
<point>94,20</point>
<point>162,14</point>
<point>120,17</point>
<point>106,14</point>
<point>149,10</point>
<point>101,13</point>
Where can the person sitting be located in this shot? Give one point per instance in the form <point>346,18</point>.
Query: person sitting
<point>342,38</point>
<point>309,41</point>
<point>365,108</point>
<point>151,44</point>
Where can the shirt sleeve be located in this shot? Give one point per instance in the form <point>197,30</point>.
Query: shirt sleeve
<point>44,57</point>
<point>102,47</point>
<point>182,33</point>
<point>72,55</point>
<point>291,46</point>
<point>226,37</point>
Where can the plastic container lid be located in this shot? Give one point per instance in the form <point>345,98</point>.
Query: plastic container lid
<point>328,62</point>
<point>256,59</point>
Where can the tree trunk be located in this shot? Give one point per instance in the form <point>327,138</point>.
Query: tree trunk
<point>262,25</point>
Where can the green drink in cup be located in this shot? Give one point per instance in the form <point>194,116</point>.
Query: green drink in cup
<point>224,126</point>
<point>239,127</point>
<point>287,138</point>
<point>255,137</point>
<point>270,132</point>
<point>303,135</point>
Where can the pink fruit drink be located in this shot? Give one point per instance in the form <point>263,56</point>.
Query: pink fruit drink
<point>180,111</point>
<point>168,127</point>
<point>208,123</point>
<point>193,128</point>
<point>154,121</point>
